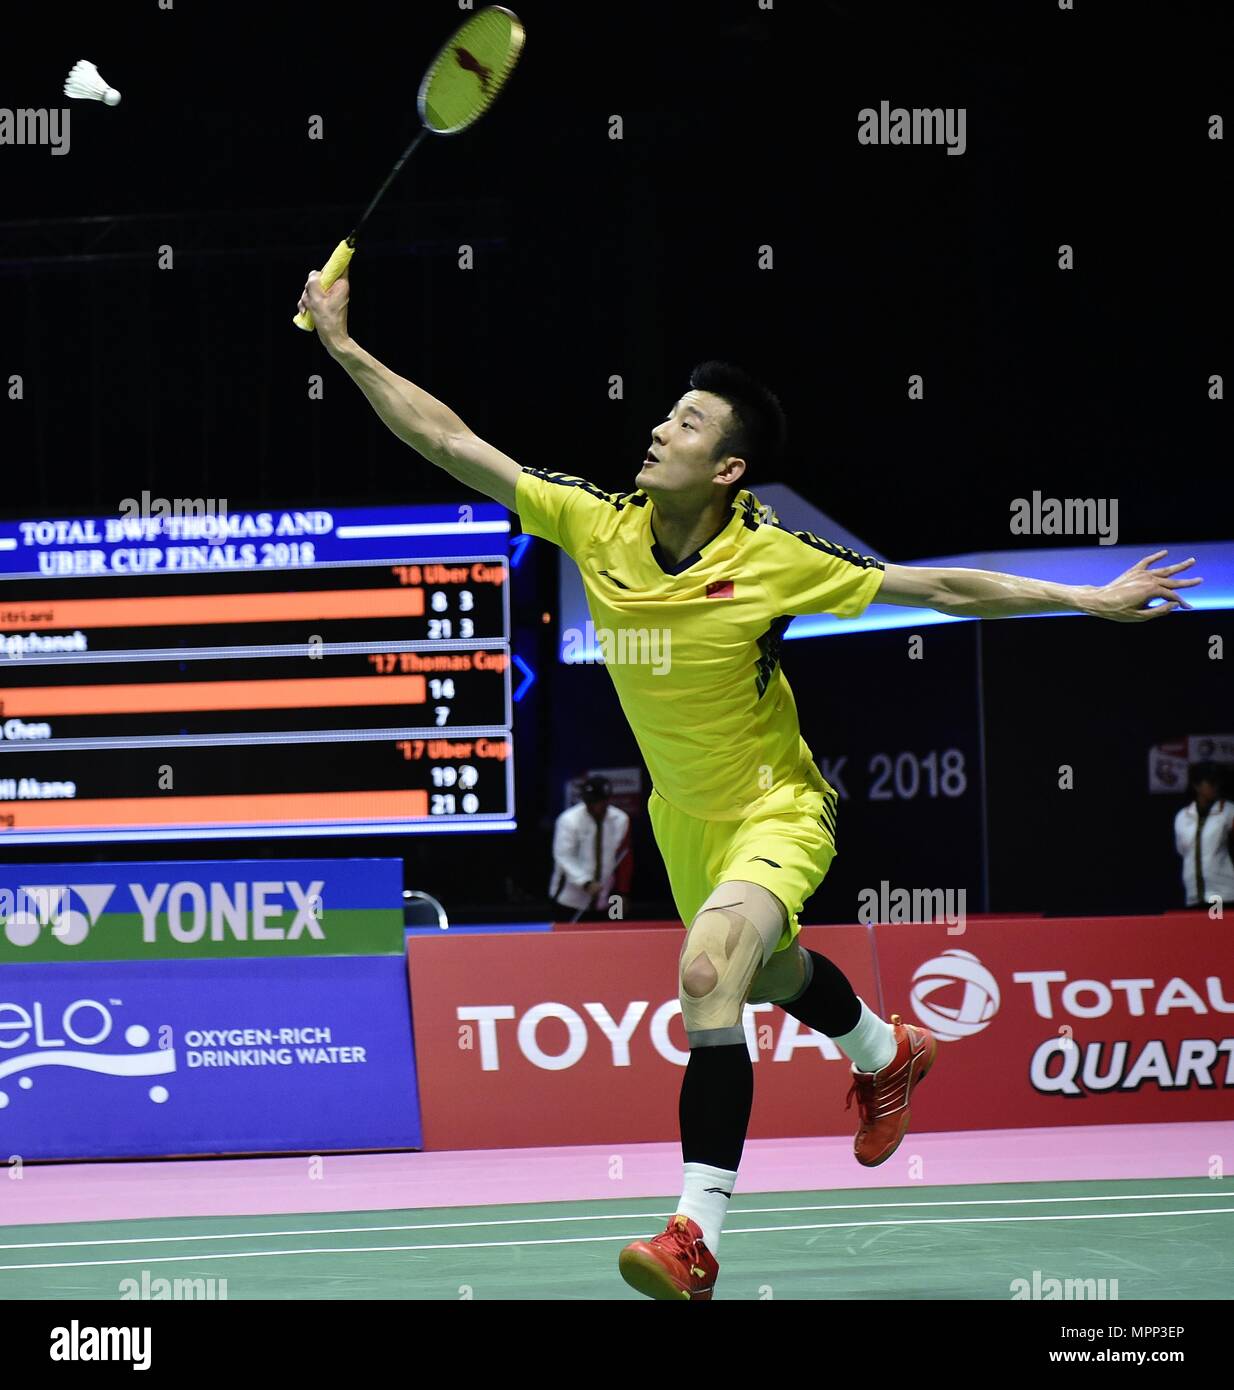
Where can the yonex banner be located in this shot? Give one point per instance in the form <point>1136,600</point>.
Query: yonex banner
<point>576,1038</point>
<point>205,1057</point>
<point>201,910</point>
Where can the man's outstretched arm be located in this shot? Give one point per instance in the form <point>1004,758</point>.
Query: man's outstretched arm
<point>989,594</point>
<point>418,419</point>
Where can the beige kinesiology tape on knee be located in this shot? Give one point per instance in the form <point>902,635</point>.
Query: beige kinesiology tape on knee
<point>735,949</point>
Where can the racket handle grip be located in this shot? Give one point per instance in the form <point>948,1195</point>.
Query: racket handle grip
<point>339,260</point>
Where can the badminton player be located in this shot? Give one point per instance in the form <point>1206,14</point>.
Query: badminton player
<point>743,818</point>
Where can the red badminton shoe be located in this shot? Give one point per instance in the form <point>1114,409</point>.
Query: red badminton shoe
<point>882,1096</point>
<point>675,1264</point>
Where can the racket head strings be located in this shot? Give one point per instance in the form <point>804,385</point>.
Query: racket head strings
<point>468,74</point>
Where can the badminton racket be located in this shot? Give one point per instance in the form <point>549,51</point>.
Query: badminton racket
<point>461,84</point>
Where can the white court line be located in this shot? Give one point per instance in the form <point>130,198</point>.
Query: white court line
<point>594,1240</point>
<point>609,1216</point>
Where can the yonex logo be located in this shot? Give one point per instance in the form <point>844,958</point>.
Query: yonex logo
<point>34,907</point>
<point>952,971</point>
<point>187,912</point>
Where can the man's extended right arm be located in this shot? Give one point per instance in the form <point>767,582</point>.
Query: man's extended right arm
<point>417,418</point>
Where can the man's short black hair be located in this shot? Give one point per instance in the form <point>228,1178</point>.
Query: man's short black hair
<point>758,429</point>
<point>1205,772</point>
<point>596,789</point>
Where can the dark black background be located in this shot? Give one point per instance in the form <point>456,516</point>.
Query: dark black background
<point>637,258</point>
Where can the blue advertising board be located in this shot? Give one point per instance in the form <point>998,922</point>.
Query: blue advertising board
<point>114,1059</point>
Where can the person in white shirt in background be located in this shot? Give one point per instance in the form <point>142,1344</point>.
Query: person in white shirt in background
<point>1204,837</point>
<point>586,843</point>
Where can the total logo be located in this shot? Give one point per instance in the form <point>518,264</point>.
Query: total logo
<point>34,907</point>
<point>955,972</point>
<point>960,975</point>
<point>72,1038</point>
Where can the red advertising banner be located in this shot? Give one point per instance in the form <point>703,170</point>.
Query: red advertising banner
<point>1071,1021</point>
<point>576,1038</point>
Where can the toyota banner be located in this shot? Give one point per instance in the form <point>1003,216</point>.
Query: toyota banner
<point>576,1038</point>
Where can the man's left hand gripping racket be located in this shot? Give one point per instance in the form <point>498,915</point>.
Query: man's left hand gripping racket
<point>459,87</point>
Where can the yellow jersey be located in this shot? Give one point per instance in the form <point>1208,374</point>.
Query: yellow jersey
<point>693,648</point>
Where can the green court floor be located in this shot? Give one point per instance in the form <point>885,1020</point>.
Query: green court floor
<point>1159,1239</point>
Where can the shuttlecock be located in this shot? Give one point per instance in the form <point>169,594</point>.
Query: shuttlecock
<point>86,83</point>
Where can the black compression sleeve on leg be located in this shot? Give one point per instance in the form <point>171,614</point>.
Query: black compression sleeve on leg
<point>828,1002</point>
<point>717,1093</point>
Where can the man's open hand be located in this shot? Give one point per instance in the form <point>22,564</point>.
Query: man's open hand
<point>1124,600</point>
<point>328,307</point>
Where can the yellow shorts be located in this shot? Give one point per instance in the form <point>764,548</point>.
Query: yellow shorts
<point>786,845</point>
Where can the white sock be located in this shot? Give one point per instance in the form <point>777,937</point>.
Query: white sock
<point>872,1044</point>
<point>707,1207</point>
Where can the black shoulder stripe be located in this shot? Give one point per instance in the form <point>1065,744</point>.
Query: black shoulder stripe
<point>755,513</point>
<point>769,653</point>
<point>614,499</point>
<point>841,552</point>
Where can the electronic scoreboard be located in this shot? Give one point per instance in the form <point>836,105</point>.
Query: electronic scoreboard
<point>175,673</point>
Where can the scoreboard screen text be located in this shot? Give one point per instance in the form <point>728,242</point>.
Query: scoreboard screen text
<point>255,673</point>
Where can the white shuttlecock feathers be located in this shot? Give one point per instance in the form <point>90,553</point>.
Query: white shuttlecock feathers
<point>86,83</point>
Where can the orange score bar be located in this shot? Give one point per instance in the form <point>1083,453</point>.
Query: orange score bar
<point>179,610</point>
<point>327,692</point>
<point>227,810</point>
